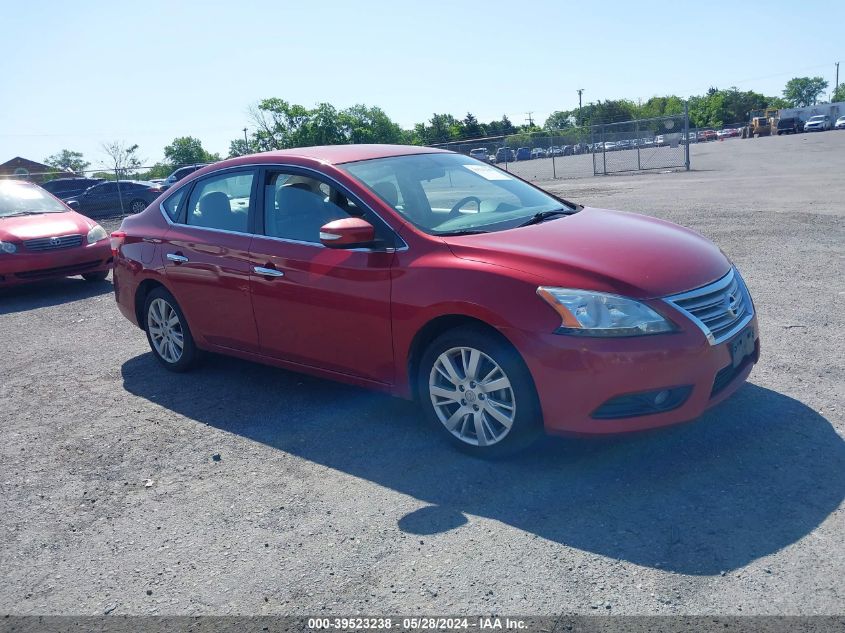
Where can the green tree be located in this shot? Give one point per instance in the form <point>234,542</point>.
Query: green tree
<point>561,119</point>
<point>67,160</point>
<point>363,124</point>
<point>240,147</point>
<point>804,91</point>
<point>187,150</point>
<point>471,128</point>
<point>838,94</point>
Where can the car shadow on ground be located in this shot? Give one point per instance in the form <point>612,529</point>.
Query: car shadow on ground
<point>752,476</point>
<point>44,294</point>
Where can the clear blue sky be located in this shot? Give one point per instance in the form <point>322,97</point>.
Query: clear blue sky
<point>79,73</point>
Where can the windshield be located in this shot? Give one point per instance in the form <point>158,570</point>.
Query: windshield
<point>20,198</point>
<point>450,193</point>
<point>817,118</point>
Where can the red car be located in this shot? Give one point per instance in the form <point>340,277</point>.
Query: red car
<point>428,274</point>
<point>42,238</point>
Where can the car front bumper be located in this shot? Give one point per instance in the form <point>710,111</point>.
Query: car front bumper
<point>576,376</point>
<point>23,267</point>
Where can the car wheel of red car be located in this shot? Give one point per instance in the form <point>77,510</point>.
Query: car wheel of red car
<point>168,332</point>
<point>98,276</point>
<point>478,391</point>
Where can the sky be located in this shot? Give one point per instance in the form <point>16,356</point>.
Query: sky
<point>75,75</point>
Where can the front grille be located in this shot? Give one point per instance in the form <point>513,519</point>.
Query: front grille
<point>52,243</point>
<point>720,309</point>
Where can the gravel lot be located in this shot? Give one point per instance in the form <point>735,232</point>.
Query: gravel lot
<point>242,489</point>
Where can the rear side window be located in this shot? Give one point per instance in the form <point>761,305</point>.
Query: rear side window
<point>171,205</point>
<point>222,202</point>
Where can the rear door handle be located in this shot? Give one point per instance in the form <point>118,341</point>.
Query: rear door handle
<point>179,259</point>
<point>267,272</point>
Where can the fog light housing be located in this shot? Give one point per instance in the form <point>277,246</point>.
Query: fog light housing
<point>643,403</point>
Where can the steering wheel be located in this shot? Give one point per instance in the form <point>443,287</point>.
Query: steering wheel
<point>460,203</point>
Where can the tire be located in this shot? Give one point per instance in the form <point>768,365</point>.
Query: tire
<point>478,426</point>
<point>159,309</point>
<point>137,205</point>
<point>94,277</point>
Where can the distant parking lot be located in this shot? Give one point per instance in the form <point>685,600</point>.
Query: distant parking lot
<point>246,489</point>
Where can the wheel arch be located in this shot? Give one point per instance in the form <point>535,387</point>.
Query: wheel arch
<point>434,328</point>
<point>141,292</point>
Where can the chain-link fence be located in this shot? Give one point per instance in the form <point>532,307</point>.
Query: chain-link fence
<point>577,152</point>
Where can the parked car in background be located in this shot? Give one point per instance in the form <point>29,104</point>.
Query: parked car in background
<point>505,313</point>
<point>505,155</point>
<point>180,173</point>
<point>523,153</point>
<point>647,142</point>
<point>158,181</point>
<point>65,188</point>
<point>554,150</point>
<point>840,123</point>
<point>818,123</point>
<point>609,146</point>
<point>707,135</point>
<point>480,153</point>
<point>42,238</point>
<point>660,140</point>
<point>111,196</point>
<point>789,125</point>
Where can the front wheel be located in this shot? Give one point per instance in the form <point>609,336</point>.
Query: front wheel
<point>168,333</point>
<point>477,390</point>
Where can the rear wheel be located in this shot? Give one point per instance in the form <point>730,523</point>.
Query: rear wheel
<point>168,333</point>
<point>136,206</point>
<point>477,390</point>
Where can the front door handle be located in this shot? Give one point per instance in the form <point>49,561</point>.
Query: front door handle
<point>179,259</point>
<point>267,272</point>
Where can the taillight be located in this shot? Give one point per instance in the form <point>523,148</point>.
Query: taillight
<point>117,239</point>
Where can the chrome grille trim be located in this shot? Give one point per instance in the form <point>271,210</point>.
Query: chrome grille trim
<point>52,243</point>
<point>707,307</point>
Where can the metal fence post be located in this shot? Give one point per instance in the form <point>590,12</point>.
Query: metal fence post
<point>603,152</point>
<point>686,134</point>
<point>637,141</point>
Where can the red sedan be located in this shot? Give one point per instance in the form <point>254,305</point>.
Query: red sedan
<point>428,274</point>
<point>42,238</point>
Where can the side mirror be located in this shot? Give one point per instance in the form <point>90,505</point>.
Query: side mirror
<point>347,233</point>
<point>73,204</point>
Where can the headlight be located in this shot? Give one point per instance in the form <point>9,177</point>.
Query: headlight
<point>8,247</point>
<point>588,313</point>
<point>96,234</point>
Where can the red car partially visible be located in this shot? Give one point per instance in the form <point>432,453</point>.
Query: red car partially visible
<point>42,238</point>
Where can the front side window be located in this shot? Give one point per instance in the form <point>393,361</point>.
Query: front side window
<point>295,206</point>
<point>451,193</point>
<point>221,202</point>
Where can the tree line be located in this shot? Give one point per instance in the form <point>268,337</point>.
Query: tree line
<point>279,124</point>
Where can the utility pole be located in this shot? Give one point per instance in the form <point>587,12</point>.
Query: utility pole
<point>580,120</point>
<point>246,140</point>
<point>529,119</point>
<point>836,85</point>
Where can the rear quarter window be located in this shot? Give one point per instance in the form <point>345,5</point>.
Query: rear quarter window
<point>173,204</point>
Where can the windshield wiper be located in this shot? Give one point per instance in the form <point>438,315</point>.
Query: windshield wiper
<point>461,232</point>
<point>19,213</point>
<point>545,215</point>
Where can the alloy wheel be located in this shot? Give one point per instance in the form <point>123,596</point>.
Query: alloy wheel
<point>137,206</point>
<point>165,330</point>
<point>472,396</point>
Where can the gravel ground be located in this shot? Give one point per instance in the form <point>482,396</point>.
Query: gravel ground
<point>242,489</point>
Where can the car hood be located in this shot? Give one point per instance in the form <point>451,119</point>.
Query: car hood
<point>598,249</point>
<point>27,227</point>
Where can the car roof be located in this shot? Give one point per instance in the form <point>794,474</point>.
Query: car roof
<point>333,154</point>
